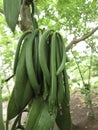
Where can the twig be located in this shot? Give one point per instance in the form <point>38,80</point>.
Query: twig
<point>78,69</point>
<point>89,76</point>
<point>6,80</point>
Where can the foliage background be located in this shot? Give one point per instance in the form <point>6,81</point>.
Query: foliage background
<point>73,19</point>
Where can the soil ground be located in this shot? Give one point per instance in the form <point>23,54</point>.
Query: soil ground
<point>79,111</point>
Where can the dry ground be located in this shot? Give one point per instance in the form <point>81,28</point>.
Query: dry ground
<point>78,113</point>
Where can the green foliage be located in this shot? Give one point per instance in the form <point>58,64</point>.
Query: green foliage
<point>8,42</point>
<point>66,15</point>
<point>1,112</point>
<point>72,19</point>
<point>11,10</point>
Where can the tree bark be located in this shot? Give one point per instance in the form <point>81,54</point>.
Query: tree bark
<point>85,36</point>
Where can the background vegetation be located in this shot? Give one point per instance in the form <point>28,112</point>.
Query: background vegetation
<point>77,21</point>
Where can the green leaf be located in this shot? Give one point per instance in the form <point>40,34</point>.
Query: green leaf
<point>93,3</point>
<point>63,118</point>
<point>11,10</point>
<point>1,114</point>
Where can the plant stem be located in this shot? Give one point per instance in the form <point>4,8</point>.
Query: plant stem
<point>78,69</point>
<point>87,87</point>
<point>89,101</point>
<point>1,112</point>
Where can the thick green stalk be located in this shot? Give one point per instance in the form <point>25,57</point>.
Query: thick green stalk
<point>1,112</point>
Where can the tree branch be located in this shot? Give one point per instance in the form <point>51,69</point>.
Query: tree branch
<point>85,36</point>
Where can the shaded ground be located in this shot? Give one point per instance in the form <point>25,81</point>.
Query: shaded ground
<point>78,113</point>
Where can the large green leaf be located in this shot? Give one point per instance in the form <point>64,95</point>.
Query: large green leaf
<point>11,10</point>
<point>63,118</point>
<point>1,114</point>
